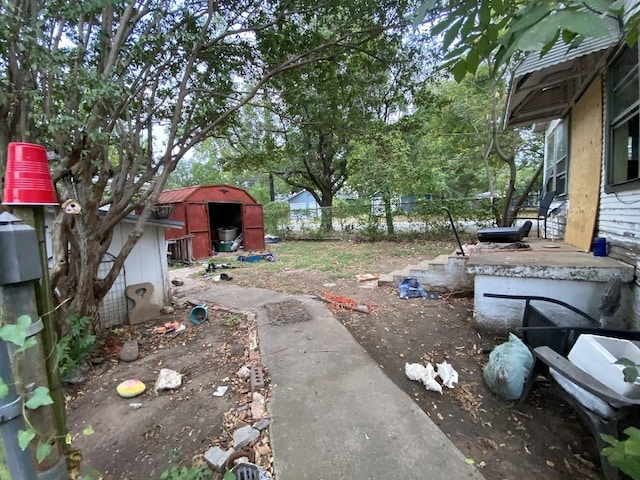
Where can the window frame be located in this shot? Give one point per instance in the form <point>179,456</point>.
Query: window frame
<point>629,114</point>
<point>553,161</point>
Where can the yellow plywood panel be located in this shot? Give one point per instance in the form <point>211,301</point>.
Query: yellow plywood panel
<point>585,160</point>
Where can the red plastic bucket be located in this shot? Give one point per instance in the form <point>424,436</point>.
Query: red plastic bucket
<point>27,177</point>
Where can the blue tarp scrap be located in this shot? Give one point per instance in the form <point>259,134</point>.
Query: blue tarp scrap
<point>410,288</point>
<point>256,258</point>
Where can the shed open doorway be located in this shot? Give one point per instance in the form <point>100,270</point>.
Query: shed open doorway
<point>226,218</point>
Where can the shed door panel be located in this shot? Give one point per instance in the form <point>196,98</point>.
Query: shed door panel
<point>198,226</point>
<point>252,227</point>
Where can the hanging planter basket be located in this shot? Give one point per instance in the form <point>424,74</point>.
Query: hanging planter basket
<point>162,212</point>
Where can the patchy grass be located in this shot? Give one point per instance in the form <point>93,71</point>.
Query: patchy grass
<point>304,266</point>
<point>232,319</point>
<point>337,256</point>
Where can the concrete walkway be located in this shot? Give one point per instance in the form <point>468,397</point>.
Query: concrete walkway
<point>335,415</point>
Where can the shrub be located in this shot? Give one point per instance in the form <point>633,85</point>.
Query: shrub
<point>277,217</point>
<point>75,346</point>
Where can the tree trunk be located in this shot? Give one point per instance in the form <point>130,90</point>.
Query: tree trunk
<point>512,212</point>
<point>388,213</point>
<point>272,188</point>
<point>326,213</point>
<point>503,221</point>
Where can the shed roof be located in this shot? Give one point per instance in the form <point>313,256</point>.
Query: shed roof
<point>176,195</point>
<point>561,52</point>
<point>299,194</point>
<point>544,88</point>
<point>220,192</point>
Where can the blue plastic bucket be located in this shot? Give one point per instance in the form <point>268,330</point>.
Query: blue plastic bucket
<point>599,247</point>
<point>199,314</point>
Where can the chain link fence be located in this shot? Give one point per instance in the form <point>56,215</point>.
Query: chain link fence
<point>368,220</point>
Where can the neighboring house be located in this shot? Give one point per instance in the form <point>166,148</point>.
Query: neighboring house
<point>377,204</point>
<point>303,204</point>
<point>410,203</point>
<point>589,97</point>
<point>147,262</point>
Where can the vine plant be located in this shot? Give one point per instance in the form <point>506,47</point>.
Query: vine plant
<point>38,397</point>
<point>625,453</point>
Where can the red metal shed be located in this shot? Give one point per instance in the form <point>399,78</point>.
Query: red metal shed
<point>204,210</point>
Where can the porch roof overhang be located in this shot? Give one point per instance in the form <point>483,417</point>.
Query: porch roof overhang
<point>545,88</point>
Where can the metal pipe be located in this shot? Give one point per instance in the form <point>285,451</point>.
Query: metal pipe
<point>454,230</point>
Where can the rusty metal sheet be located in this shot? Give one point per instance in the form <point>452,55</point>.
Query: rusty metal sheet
<point>176,196</point>
<point>198,224</point>
<point>252,227</point>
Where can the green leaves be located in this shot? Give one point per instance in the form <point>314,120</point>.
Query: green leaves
<point>630,371</point>
<point>624,454</point>
<point>451,33</point>
<point>459,70</point>
<point>17,333</point>
<point>495,30</point>
<point>545,31</point>
<point>201,472</point>
<point>4,388</point>
<point>25,437</point>
<point>38,398</point>
<point>422,11</point>
<point>43,451</point>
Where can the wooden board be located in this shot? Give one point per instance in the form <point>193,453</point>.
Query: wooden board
<point>585,160</point>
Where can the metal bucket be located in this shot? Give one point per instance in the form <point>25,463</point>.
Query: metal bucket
<point>227,234</point>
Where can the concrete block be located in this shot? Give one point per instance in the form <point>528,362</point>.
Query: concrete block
<point>262,424</point>
<point>143,310</point>
<point>244,436</point>
<point>217,458</point>
<point>257,378</point>
<point>257,406</point>
<point>386,280</point>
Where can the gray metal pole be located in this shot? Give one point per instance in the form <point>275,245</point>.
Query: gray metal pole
<point>20,463</point>
<point>19,267</point>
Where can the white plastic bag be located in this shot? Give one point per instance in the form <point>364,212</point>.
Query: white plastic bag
<point>426,375</point>
<point>448,375</point>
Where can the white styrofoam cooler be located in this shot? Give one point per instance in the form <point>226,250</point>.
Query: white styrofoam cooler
<point>597,355</point>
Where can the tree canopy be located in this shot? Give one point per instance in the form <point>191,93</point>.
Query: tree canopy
<point>121,90</point>
<point>472,31</point>
<point>302,130</point>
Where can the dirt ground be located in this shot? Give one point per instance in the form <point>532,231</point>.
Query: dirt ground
<point>142,437</point>
<point>539,438</point>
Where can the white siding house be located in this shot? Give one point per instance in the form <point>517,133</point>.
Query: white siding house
<point>590,99</point>
<point>303,204</point>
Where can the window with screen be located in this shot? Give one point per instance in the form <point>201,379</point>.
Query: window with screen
<point>623,92</point>
<point>555,175</point>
